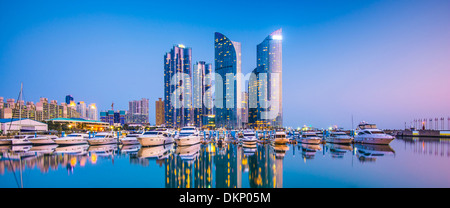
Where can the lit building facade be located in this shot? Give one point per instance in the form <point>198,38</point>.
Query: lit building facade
<point>202,101</point>
<point>159,112</point>
<point>138,111</point>
<point>265,89</point>
<point>177,87</point>
<point>227,54</point>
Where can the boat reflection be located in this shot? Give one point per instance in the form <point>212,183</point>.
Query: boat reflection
<point>158,152</point>
<point>309,150</point>
<point>370,152</point>
<point>338,150</point>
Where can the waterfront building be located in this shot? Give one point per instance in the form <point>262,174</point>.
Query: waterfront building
<point>227,54</point>
<point>80,123</point>
<point>138,112</point>
<point>177,86</point>
<point>41,111</point>
<point>24,124</point>
<point>265,88</point>
<point>202,101</point>
<point>159,112</point>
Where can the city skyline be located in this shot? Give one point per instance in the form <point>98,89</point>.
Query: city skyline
<point>334,56</point>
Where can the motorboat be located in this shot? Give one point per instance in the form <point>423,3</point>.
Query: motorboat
<point>155,138</point>
<point>72,139</point>
<point>102,138</point>
<point>21,140</point>
<point>370,134</point>
<point>187,136</point>
<point>339,137</point>
<point>309,137</point>
<point>279,137</point>
<point>42,139</point>
<point>249,139</point>
<point>130,139</point>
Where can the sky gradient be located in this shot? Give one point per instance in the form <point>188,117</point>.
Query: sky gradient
<point>385,62</point>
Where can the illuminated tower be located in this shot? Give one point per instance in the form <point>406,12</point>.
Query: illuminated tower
<point>177,86</point>
<point>227,54</point>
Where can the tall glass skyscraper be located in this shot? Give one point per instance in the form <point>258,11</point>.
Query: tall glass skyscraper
<point>268,83</point>
<point>227,55</point>
<point>201,92</point>
<point>177,86</point>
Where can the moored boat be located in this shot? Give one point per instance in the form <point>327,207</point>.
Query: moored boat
<point>72,139</point>
<point>155,138</point>
<point>309,137</point>
<point>339,137</point>
<point>102,138</point>
<point>42,139</point>
<point>187,136</point>
<point>370,134</point>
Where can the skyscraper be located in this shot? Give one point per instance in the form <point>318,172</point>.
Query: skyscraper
<point>159,114</point>
<point>267,84</point>
<point>69,98</point>
<point>177,86</point>
<point>227,56</point>
<point>92,112</point>
<point>202,101</point>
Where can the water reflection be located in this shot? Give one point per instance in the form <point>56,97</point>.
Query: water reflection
<point>209,165</point>
<point>370,152</point>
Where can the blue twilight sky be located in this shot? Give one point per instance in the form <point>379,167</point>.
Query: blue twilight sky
<point>382,61</point>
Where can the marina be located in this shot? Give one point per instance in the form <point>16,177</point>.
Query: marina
<point>405,162</point>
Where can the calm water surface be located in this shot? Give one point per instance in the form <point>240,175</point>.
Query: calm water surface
<point>406,162</point>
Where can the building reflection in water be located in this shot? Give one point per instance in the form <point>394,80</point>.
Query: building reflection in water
<point>208,165</point>
<point>223,166</point>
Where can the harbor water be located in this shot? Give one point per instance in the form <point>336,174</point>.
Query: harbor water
<point>405,162</point>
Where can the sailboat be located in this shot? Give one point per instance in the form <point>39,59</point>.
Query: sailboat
<point>18,139</point>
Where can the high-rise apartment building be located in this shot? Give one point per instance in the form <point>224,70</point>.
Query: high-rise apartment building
<point>138,111</point>
<point>159,112</point>
<point>177,86</point>
<point>227,54</point>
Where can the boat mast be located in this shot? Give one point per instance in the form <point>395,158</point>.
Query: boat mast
<point>20,108</point>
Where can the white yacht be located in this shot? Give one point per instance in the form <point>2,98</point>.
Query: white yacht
<point>43,139</point>
<point>103,138</point>
<point>280,137</point>
<point>249,139</point>
<point>339,137</point>
<point>155,138</point>
<point>71,139</point>
<point>370,134</point>
<point>21,140</point>
<point>130,139</point>
<point>187,136</point>
<point>309,137</point>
